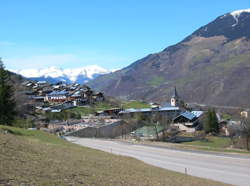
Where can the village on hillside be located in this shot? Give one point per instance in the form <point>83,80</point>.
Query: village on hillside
<point>60,109</point>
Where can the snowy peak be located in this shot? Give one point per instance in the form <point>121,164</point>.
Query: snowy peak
<point>237,13</point>
<point>234,25</point>
<point>55,74</point>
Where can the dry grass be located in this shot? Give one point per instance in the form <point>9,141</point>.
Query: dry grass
<point>38,158</point>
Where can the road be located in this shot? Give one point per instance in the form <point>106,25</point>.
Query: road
<point>228,169</point>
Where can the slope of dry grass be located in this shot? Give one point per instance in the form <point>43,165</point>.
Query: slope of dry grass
<point>38,158</point>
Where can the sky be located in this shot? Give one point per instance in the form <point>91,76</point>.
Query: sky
<point>108,33</point>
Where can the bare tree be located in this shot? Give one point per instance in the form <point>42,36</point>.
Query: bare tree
<point>157,119</point>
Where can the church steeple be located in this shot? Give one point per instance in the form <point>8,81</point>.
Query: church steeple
<point>175,94</point>
<point>174,98</point>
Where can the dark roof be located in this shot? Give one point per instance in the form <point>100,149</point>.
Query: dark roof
<point>188,115</point>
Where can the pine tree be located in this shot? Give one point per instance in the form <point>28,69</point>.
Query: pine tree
<point>7,103</point>
<point>207,123</point>
<point>211,123</point>
<point>214,122</point>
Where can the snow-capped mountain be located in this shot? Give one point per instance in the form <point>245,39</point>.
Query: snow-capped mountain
<point>55,74</point>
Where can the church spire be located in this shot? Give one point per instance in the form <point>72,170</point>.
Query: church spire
<point>175,98</point>
<point>175,94</point>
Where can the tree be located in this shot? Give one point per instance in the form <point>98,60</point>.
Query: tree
<point>211,124</point>
<point>154,120</point>
<point>7,102</point>
<point>157,119</point>
<point>245,131</point>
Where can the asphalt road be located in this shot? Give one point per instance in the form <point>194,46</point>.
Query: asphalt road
<point>228,169</point>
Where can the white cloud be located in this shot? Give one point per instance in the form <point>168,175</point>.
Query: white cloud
<point>65,61</point>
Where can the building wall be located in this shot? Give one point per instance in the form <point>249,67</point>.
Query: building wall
<point>244,114</point>
<point>182,127</point>
<point>107,131</point>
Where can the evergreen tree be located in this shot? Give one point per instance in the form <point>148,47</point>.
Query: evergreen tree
<point>7,103</point>
<point>214,122</point>
<point>211,124</point>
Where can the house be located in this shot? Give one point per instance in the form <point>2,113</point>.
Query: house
<point>245,113</point>
<point>109,112</point>
<point>155,105</point>
<point>187,121</point>
<point>98,96</point>
<point>76,95</point>
<point>170,112</point>
<point>57,96</point>
<point>42,83</point>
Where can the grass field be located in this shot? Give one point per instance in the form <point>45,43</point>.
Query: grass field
<point>38,158</point>
<point>135,104</point>
<point>213,143</point>
<point>90,110</point>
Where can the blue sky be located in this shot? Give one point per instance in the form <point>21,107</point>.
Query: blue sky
<point>109,33</point>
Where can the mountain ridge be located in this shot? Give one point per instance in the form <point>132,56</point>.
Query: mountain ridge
<point>212,65</point>
<point>54,74</point>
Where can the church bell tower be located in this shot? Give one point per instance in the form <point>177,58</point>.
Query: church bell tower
<point>174,98</point>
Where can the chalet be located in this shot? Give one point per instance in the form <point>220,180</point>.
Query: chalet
<point>76,95</point>
<point>57,96</point>
<point>42,83</point>
<point>98,96</point>
<point>187,121</point>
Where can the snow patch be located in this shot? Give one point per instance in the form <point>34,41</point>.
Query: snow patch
<point>236,14</point>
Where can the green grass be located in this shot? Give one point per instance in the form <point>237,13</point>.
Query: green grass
<point>226,116</point>
<point>156,81</point>
<point>82,110</point>
<point>235,60</point>
<point>214,142</point>
<point>102,106</point>
<point>41,136</point>
<point>39,158</point>
<point>90,110</point>
<point>135,104</point>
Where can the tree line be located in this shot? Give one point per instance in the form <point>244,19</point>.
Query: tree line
<point>7,101</point>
